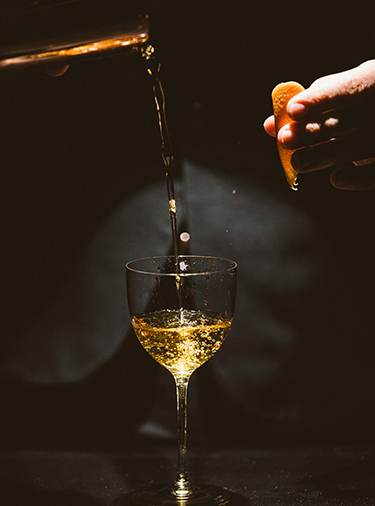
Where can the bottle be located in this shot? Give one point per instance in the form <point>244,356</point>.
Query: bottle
<point>56,32</point>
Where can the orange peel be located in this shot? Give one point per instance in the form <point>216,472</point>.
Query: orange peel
<point>281,95</point>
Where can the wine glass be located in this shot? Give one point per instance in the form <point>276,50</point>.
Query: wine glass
<point>181,310</point>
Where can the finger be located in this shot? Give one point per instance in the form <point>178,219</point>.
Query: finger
<point>335,153</point>
<point>269,126</point>
<point>354,178</point>
<point>57,70</point>
<point>299,134</point>
<point>337,90</point>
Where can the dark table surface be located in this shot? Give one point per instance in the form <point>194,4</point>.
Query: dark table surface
<point>319,476</point>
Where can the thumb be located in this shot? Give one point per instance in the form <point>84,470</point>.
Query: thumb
<point>336,90</point>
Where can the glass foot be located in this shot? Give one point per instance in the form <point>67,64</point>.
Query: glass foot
<point>201,495</point>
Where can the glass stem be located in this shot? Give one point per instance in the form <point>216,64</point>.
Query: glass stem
<point>182,483</point>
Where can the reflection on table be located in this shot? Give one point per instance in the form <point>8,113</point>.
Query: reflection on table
<point>287,477</point>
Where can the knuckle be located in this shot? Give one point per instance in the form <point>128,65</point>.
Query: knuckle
<point>313,127</point>
<point>331,122</point>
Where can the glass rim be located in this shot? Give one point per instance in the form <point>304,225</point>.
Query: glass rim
<point>232,267</point>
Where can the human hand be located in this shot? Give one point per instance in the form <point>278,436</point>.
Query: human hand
<point>332,126</point>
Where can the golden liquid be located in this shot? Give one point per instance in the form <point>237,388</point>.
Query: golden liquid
<point>103,45</point>
<point>62,55</point>
<point>153,69</point>
<point>181,340</point>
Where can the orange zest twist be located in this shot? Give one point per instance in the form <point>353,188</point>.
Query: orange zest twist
<point>281,95</point>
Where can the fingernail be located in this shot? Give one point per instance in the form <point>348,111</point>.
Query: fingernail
<point>299,163</point>
<point>304,161</point>
<point>286,138</point>
<point>296,110</point>
<point>296,161</point>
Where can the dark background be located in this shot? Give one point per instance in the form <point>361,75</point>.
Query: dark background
<point>75,152</point>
